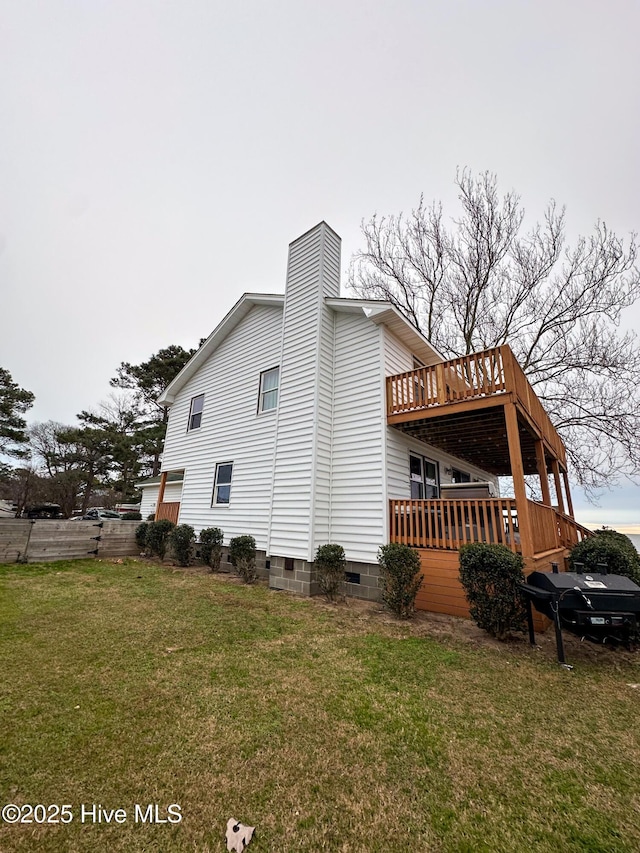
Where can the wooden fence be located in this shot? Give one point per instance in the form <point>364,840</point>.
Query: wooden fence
<point>26,541</point>
<point>169,510</point>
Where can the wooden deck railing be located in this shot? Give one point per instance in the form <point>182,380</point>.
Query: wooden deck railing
<point>481,374</point>
<point>169,510</point>
<point>544,527</point>
<point>452,523</point>
<point>570,531</point>
<point>448,524</point>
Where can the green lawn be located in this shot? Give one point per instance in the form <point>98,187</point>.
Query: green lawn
<point>328,728</point>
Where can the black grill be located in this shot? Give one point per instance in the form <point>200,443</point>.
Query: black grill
<point>595,606</point>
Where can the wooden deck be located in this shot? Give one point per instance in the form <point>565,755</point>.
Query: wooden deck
<point>448,524</point>
<point>442,592</point>
<point>464,388</point>
<point>437,529</point>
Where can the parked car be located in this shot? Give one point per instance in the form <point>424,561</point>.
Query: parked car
<point>46,510</point>
<point>97,514</point>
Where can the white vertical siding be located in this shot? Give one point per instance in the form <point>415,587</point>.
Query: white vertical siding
<point>357,499</point>
<point>231,431</point>
<point>301,482</point>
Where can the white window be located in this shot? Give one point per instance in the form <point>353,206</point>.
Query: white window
<point>269,384</point>
<point>222,483</point>
<point>195,415</point>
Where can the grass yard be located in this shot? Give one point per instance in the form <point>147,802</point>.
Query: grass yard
<point>327,727</point>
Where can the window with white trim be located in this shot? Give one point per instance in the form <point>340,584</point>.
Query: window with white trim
<point>222,483</point>
<point>424,479</point>
<point>195,413</point>
<point>269,386</point>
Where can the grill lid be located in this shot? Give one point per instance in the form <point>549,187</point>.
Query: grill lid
<point>592,582</point>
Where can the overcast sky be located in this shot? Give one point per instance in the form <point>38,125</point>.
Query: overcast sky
<point>156,158</point>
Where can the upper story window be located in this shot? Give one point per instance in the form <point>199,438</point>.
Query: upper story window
<point>269,385</point>
<point>222,483</point>
<point>195,414</point>
<point>458,476</point>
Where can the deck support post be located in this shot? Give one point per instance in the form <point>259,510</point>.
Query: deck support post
<point>567,490</point>
<point>541,464</point>
<point>556,478</point>
<point>163,483</point>
<point>517,472</point>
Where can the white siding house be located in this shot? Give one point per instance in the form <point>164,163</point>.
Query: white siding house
<point>279,426</point>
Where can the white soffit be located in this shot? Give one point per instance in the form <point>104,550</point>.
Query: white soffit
<point>384,313</point>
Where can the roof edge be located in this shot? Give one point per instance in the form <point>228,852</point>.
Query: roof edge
<point>224,327</point>
<point>375,309</point>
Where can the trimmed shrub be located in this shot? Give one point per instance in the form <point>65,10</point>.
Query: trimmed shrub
<point>157,537</point>
<point>491,575</point>
<point>610,547</point>
<point>242,551</point>
<point>131,516</point>
<point>399,571</point>
<point>330,563</point>
<point>151,516</point>
<point>211,539</point>
<point>141,535</point>
<point>182,540</point>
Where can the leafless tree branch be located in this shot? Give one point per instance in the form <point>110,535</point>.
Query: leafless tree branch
<point>480,282</point>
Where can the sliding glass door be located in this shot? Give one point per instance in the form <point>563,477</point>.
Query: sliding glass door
<point>424,478</point>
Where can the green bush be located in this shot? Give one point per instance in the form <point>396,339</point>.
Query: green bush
<point>242,551</point>
<point>151,516</point>
<point>330,563</point>
<point>141,535</point>
<point>610,547</point>
<point>182,540</point>
<point>157,536</point>
<point>131,516</point>
<point>211,539</point>
<point>491,575</point>
<point>399,571</point>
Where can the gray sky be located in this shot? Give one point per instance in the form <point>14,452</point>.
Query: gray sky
<point>156,158</point>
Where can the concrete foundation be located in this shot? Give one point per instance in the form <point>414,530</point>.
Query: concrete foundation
<point>299,576</point>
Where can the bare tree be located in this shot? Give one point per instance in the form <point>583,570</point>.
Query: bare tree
<point>53,460</point>
<point>74,460</point>
<point>479,282</point>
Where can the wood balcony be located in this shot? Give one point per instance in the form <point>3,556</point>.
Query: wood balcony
<point>460,403</point>
<point>448,524</point>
